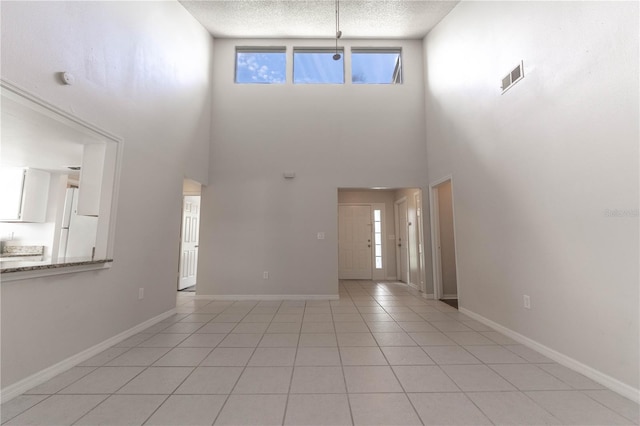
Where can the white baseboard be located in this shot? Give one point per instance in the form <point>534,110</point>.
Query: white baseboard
<point>392,278</point>
<point>449,296</point>
<point>595,375</point>
<point>428,295</point>
<point>42,376</point>
<point>267,297</point>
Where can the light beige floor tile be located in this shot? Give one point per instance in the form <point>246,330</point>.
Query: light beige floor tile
<point>576,408</point>
<point>204,318</point>
<point>258,318</point>
<point>183,357</point>
<point>217,327</point>
<point>476,325</point>
<point>18,405</point>
<point>58,410</point>
<point>406,355</point>
<point>424,378</point>
<point>511,408</point>
<point>371,379</point>
<point>431,339</point>
<point>317,380</point>
<point>384,327</point>
<point>450,326</point>
<point>570,377</point>
<point>318,357</point>
<point>529,377</point>
<point>251,327</point>
<point>103,380</point>
<point>417,326</point>
<point>362,356</point>
<point>476,378</point>
<point>529,354</point>
<point>499,338</point>
<point>443,355</point>
<point>139,357</point>
<point>406,316</point>
<point>617,403</point>
<point>183,327</point>
<point>251,410</point>
<point>351,327</point>
<point>354,317</point>
<point>440,409</point>
<point>60,381</point>
<point>203,340</point>
<point>273,357</point>
<point>103,357</point>
<point>394,339</point>
<point>156,380</point>
<point>228,357</point>
<point>382,409</point>
<point>125,410</point>
<point>284,327</point>
<point>228,317</point>
<point>263,380</point>
<point>318,410</point>
<point>280,340</point>
<point>317,340</point>
<point>356,339</point>
<point>134,340</point>
<point>187,410</point>
<point>210,380</point>
<point>241,341</point>
<point>494,354</point>
<point>287,318</point>
<point>164,340</point>
<point>318,327</point>
<point>468,338</point>
<point>376,317</point>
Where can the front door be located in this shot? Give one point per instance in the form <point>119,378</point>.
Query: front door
<point>189,241</point>
<point>354,242</point>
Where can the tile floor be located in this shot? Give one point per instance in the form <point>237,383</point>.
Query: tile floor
<point>381,355</point>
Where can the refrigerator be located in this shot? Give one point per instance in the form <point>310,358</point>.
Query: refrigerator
<point>78,234</point>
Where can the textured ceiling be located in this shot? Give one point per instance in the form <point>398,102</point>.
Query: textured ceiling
<point>316,19</point>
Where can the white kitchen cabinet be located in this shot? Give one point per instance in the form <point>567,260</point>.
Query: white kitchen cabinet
<point>24,194</point>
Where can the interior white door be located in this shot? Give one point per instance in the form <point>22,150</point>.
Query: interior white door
<point>189,241</point>
<point>403,241</point>
<point>354,242</point>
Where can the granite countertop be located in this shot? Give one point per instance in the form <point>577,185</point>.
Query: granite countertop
<point>34,265</point>
<point>21,251</point>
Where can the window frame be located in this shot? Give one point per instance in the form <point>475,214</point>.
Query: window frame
<point>259,50</point>
<point>398,73</point>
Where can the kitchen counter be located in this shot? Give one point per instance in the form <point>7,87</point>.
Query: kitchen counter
<point>9,266</point>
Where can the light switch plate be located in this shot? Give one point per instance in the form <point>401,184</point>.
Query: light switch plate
<point>321,235</point>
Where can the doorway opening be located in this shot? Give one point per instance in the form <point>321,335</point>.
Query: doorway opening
<point>380,235</point>
<point>189,236</point>
<point>444,242</point>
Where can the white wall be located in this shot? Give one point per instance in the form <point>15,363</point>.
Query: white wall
<point>536,170</point>
<point>143,72</point>
<point>354,136</point>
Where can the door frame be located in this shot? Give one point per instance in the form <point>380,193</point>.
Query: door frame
<point>373,206</point>
<point>417,198</point>
<point>406,246</point>
<point>435,237</point>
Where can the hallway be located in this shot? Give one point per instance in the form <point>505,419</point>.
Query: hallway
<point>381,354</point>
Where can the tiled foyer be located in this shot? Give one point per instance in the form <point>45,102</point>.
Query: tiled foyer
<point>381,355</point>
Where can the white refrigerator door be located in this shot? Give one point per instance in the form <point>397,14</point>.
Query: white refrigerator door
<point>82,232</point>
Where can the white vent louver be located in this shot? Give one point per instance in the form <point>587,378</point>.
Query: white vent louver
<point>513,77</point>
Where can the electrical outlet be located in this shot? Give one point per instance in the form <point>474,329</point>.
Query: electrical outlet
<point>140,293</point>
<point>527,302</point>
<point>321,235</point>
<point>265,275</point>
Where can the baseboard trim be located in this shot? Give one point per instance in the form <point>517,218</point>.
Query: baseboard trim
<point>428,295</point>
<point>42,376</point>
<point>449,296</point>
<point>392,278</point>
<point>595,375</point>
<point>267,297</point>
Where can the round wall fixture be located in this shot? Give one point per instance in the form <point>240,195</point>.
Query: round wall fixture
<point>68,78</point>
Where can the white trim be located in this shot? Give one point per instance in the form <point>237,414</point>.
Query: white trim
<point>267,297</point>
<point>396,209</point>
<point>422,280</point>
<point>391,278</point>
<point>428,295</point>
<point>596,375</point>
<point>448,296</point>
<point>42,376</point>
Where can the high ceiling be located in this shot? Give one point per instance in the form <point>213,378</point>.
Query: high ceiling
<point>390,19</point>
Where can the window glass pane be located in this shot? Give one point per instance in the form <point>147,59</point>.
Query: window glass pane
<point>378,238</point>
<point>378,227</point>
<point>376,67</point>
<point>378,263</point>
<point>261,66</point>
<point>317,67</point>
<point>378,250</point>
<point>376,215</point>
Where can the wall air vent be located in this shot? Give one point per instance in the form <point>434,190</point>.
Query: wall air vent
<point>74,168</point>
<point>513,77</point>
